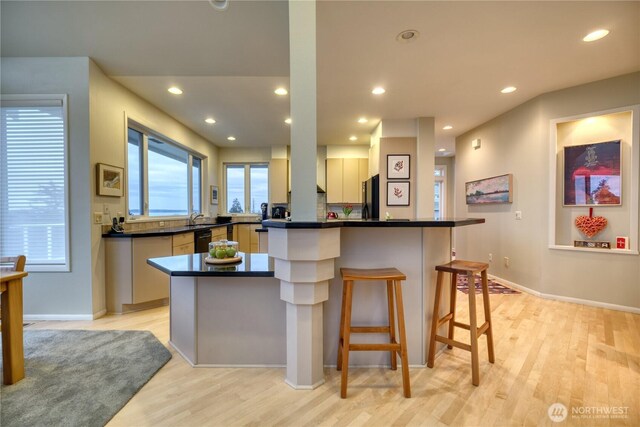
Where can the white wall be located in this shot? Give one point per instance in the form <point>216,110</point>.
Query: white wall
<point>518,142</point>
<point>68,294</point>
<point>110,103</point>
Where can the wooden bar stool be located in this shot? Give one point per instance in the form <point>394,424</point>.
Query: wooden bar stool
<point>468,268</point>
<point>394,278</point>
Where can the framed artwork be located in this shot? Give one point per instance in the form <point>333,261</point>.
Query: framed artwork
<point>213,194</point>
<point>109,180</point>
<point>497,189</point>
<point>592,174</point>
<point>398,166</point>
<point>398,193</point>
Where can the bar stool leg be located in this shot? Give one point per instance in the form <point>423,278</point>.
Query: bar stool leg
<point>473,328</point>
<point>346,337</point>
<point>487,315</point>
<point>403,340</point>
<point>392,324</point>
<point>341,333</point>
<point>452,305</point>
<point>435,318</point>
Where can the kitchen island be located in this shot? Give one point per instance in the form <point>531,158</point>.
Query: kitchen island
<point>239,316</point>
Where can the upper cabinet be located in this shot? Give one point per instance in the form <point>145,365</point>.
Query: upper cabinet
<point>278,182</point>
<point>344,179</point>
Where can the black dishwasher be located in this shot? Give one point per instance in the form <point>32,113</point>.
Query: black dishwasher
<point>201,239</point>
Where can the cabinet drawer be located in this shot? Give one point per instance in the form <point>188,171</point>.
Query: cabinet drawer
<point>218,234</point>
<point>182,239</point>
<point>186,249</point>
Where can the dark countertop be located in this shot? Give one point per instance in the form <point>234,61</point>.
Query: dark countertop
<point>252,265</point>
<point>334,223</point>
<point>170,231</point>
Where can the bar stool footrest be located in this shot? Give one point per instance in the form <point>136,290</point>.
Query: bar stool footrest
<point>375,347</point>
<point>453,343</point>
<point>445,319</point>
<point>370,329</point>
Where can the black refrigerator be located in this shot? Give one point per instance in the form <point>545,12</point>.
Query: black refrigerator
<point>371,198</point>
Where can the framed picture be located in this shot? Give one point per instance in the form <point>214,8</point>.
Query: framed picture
<point>397,193</point>
<point>109,180</point>
<point>398,166</point>
<point>592,174</point>
<point>213,194</point>
<point>497,189</point>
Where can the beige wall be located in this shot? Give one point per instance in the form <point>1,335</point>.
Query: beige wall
<point>110,103</point>
<point>518,142</point>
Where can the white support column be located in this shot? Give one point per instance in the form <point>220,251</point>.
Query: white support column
<point>302,93</point>
<point>304,263</point>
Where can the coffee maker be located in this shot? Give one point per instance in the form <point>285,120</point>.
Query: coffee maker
<point>265,211</point>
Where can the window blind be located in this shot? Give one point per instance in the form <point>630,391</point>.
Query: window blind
<point>32,171</point>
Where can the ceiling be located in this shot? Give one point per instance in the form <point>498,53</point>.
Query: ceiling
<point>229,63</point>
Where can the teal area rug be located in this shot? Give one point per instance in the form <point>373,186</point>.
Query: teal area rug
<point>79,378</point>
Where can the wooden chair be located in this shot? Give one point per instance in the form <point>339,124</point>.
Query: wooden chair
<point>13,263</point>
<point>393,278</point>
<point>470,269</point>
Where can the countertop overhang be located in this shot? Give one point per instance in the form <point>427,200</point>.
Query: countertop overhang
<point>380,223</point>
<point>252,265</point>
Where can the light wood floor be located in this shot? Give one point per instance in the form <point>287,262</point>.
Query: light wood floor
<point>546,352</point>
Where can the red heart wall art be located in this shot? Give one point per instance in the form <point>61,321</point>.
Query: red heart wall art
<point>591,225</point>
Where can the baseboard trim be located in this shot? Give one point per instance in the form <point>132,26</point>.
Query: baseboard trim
<point>34,317</point>
<point>562,298</point>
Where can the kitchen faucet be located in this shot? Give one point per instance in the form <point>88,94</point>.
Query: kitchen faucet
<point>193,217</point>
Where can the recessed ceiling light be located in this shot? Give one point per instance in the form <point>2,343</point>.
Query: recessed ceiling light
<point>407,36</point>
<point>442,150</point>
<point>508,89</point>
<point>353,138</point>
<point>447,127</point>
<point>175,90</point>
<point>209,120</point>
<point>231,138</point>
<point>288,120</point>
<point>220,5</point>
<point>595,35</point>
<point>378,90</point>
<point>281,91</point>
<point>362,120</point>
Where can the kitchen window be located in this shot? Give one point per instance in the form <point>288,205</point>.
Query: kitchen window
<point>164,179</point>
<point>34,217</point>
<point>247,187</point>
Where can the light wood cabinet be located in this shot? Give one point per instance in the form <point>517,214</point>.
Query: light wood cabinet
<point>334,181</point>
<point>278,181</point>
<point>264,242</point>
<point>344,179</point>
<point>183,244</point>
<point>248,239</point>
<point>129,279</point>
<point>219,233</point>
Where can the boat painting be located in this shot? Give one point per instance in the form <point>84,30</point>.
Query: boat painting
<point>497,189</point>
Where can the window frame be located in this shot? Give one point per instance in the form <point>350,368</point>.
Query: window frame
<point>247,185</point>
<point>147,132</point>
<point>40,100</point>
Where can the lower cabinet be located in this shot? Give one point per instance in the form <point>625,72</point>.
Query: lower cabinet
<point>183,244</point>
<point>219,233</point>
<point>248,238</point>
<point>129,279</point>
